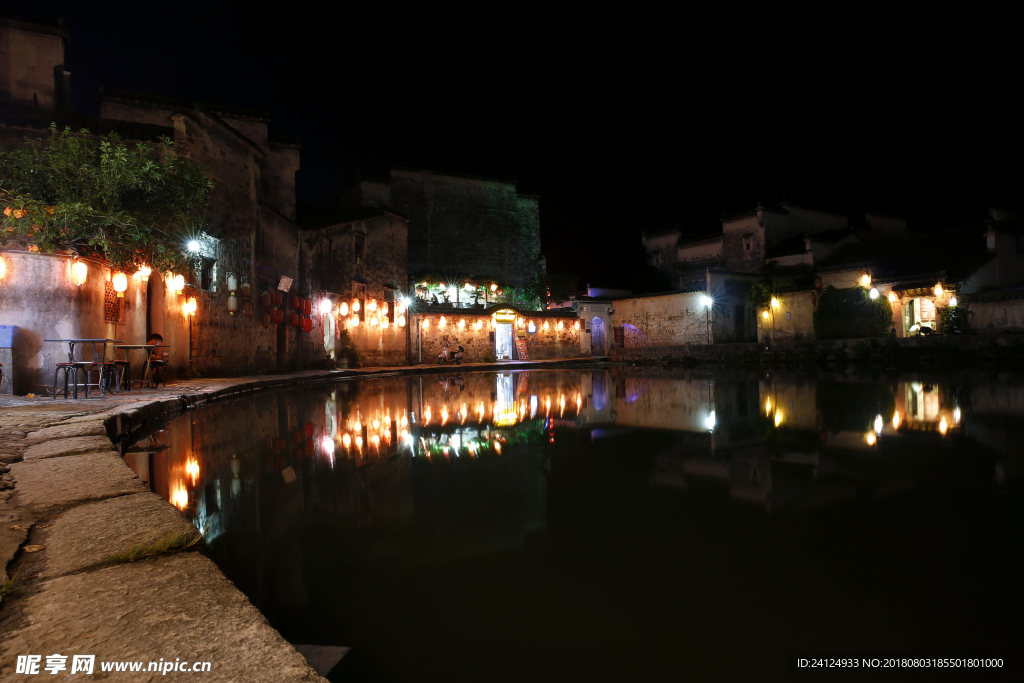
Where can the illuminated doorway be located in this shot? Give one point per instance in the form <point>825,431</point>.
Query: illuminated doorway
<point>503,341</point>
<point>597,343</point>
<point>918,313</point>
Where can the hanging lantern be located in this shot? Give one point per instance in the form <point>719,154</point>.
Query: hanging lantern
<point>561,325</point>
<point>576,326</point>
<point>372,306</point>
<point>276,315</point>
<point>343,308</point>
<point>232,304</point>
<point>372,321</point>
<point>938,290</point>
<point>892,297</point>
<point>245,289</point>
<point>3,268</point>
<point>79,272</point>
<point>278,297</point>
<point>295,302</point>
<point>384,308</point>
<point>401,321</point>
<point>426,323</point>
<point>232,284</point>
<point>120,282</point>
<point>293,319</point>
<point>442,322</point>
<point>144,273</point>
<point>307,325</point>
<point>325,306</point>
<point>494,287</point>
<point>462,323</point>
<point>179,283</point>
<point>307,307</point>
<point>265,299</point>
<point>354,320</point>
<point>264,319</point>
<point>384,323</point>
<point>193,305</point>
<point>355,305</point>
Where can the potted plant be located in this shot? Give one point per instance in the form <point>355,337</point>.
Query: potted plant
<point>348,354</point>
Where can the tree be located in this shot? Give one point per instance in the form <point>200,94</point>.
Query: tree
<point>137,204</point>
<point>767,294</point>
<point>851,313</point>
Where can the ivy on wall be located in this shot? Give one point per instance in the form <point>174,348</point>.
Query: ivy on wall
<point>851,313</point>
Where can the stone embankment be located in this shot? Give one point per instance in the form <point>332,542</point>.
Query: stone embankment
<point>68,501</point>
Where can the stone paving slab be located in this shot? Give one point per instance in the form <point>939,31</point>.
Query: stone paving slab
<point>85,535</point>
<point>75,427</point>
<point>170,607</point>
<point>14,528</point>
<point>67,446</point>
<point>55,482</point>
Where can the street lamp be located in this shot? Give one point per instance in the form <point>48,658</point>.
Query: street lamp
<point>706,301</point>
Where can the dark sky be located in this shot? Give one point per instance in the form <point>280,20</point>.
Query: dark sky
<point>622,120</point>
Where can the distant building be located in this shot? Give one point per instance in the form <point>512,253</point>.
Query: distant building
<point>459,226</point>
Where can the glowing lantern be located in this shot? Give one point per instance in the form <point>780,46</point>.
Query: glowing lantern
<point>232,304</point>
<point>384,323</point>
<point>519,322</point>
<point>354,320</point>
<point>871,438</point>
<point>178,283</point>
<point>3,268</point>
<point>764,314</point>
<point>873,293</point>
<point>355,305</point>
<point>325,306</point>
<point>546,325</point>
<point>372,306</point>
<point>442,322</point>
<point>80,271</point>
<point>426,323</point>
<point>307,325</point>
<point>576,326</point>
<point>184,309</point>
<point>120,282</point>
<point>384,308</point>
<point>478,324</point>
<point>372,322</point>
<point>494,287</point>
<point>144,273</point>
<point>462,324</point>
<point>896,419</point>
<point>343,308</point>
<point>401,321</point>
<point>193,305</point>
<point>232,283</point>
<point>245,289</point>
<point>775,302</point>
<point>938,290</point>
<point>346,441</point>
<point>561,325</point>
<point>892,297</point>
<point>865,280</point>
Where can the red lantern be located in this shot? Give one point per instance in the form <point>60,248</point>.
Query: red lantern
<point>293,319</point>
<point>310,448</point>
<point>307,307</point>
<point>307,325</point>
<point>277,315</point>
<point>298,436</point>
<point>814,299</point>
<point>245,289</point>
<point>309,430</point>
<point>247,309</point>
<point>295,302</point>
<point>266,299</point>
<point>264,319</point>
<point>278,297</point>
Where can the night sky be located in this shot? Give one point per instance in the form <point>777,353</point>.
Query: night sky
<point>621,122</point>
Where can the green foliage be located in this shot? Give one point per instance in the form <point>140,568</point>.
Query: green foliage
<point>851,314</point>
<point>10,585</point>
<point>138,204</point>
<point>955,319</point>
<point>346,348</point>
<point>760,293</point>
<point>182,539</point>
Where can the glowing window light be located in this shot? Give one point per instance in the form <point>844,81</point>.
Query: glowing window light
<point>865,280</point>
<point>878,424</point>
<point>938,290</point>
<point>80,272</point>
<point>870,438</point>
<point>709,421</point>
<point>442,322</point>
<point>343,308</point>
<point>873,293</point>
<point>325,306</point>
<point>892,297</point>
<point>764,314</point>
<point>462,323</point>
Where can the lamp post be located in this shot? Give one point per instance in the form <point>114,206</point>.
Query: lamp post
<point>706,301</point>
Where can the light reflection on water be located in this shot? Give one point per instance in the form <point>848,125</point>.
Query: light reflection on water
<point>406,477</point>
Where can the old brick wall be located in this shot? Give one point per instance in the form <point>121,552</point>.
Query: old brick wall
<point>663,320</point>
<point>479,342</point>
<point>997,316</point>
<point>794,318</point>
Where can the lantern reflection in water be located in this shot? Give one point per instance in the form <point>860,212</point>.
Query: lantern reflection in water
<point>192,469</point>
<point>179,496</point>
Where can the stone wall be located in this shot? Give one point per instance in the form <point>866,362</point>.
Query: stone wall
<point>793,319</point>
<point>997,315</point>
<point>662,320</point>
<point>479,342</point>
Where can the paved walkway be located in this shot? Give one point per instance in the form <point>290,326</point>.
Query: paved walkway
<point>68,500</point>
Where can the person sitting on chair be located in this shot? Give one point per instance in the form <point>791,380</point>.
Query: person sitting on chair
<point>157,360</point>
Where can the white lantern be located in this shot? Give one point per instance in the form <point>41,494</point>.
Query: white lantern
<point>232,304</point>
<point>232,283</point>
<point>325,306</point>
<point>120,282</point>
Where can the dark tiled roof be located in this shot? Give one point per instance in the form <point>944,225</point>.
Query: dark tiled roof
<point>315,216</point>
<point>957,252</point>
<point>796,245</point>
<point>170,102</point>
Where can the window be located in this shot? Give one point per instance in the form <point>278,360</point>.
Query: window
<point>113,305</point>
<point>207,274</point>
<point>748,241</point>
<point>657,258</point>
<point>360,248</point>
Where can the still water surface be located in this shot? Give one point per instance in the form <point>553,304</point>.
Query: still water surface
<point>613,524</point>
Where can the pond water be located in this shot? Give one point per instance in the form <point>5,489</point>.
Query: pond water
<point>613,524</point>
